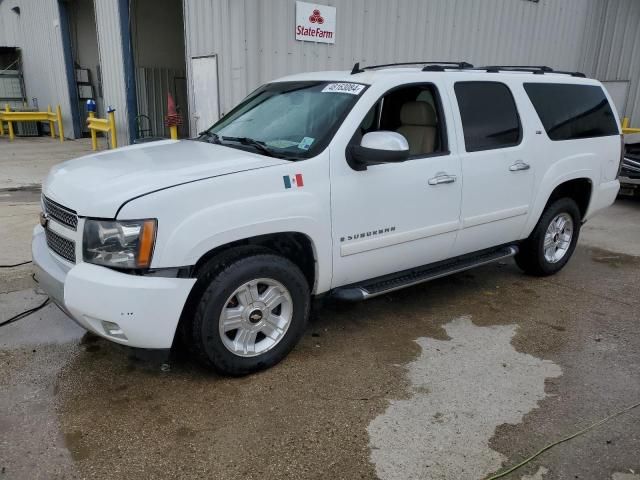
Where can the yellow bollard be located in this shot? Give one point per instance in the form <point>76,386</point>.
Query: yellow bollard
<point>60,126</point>
<point>94,136</point>
<point>173,130</point>
<point>10,123</point>
<point>51,127</point>
<point>112,128</point>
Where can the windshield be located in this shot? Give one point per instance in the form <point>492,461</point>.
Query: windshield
<point>292,120</point>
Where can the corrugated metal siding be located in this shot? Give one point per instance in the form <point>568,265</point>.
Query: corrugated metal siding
<point>36,31</point>
<point>152,87</point>
<point>112,64</point>
<point>612,49</point>
<point>255,39</point>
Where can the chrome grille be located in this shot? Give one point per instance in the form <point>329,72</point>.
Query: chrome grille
<point>59,213</point>
<point>62,246</point>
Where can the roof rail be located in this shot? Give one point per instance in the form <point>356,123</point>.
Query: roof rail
<point>535,69</point>
<point>429,66</point>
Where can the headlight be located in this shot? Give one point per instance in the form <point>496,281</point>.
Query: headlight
<point>124,244</point>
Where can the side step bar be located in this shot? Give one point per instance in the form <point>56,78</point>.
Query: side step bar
<point>407,278</point>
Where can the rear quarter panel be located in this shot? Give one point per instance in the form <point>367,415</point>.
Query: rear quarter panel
<point>595,159</point>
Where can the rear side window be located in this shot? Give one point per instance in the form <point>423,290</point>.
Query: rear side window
<point>489,115</point>
<point>572,111</point>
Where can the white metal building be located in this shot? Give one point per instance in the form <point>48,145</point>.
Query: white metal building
<point>210,53</point>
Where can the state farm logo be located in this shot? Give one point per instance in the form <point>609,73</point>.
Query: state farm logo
<point>316,17</point>
<point>315,23</point>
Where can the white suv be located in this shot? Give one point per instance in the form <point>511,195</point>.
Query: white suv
<point>352,184</point>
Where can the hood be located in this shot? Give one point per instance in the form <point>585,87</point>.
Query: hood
<point>97,185</point>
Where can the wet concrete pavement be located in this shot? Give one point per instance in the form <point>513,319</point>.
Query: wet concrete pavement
<point>80,407</point>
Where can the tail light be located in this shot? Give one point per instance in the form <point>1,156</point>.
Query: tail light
<point>621,154</point>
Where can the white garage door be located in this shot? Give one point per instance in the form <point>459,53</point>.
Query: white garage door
<point>205,102</point>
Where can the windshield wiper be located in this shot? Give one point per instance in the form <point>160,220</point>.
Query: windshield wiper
<point>257,144</point>
<point>210,137</point>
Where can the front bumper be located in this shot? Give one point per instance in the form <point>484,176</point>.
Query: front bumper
<point>145,310</point>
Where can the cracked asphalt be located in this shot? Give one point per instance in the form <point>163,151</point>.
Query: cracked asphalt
<point>76,406</point>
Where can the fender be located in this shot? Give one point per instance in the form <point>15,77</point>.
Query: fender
<point>569,168</point>
<point>195,218</point>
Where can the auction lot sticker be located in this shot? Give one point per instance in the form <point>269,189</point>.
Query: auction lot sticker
<point>351,88</point>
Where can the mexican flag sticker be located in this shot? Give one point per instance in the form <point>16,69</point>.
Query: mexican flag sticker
<point>293,181</point>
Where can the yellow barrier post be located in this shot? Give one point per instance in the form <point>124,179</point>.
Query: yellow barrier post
<point>626,129</point>
<point>94,136</point>
<point>106,125</point>
<point>60,126</point>
<point>51,128</point>
<point>112,127</point>
<point>10,123</point>
<point>173,118</point>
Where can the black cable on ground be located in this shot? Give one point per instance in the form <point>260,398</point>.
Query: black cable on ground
<point>26,313</point>
<point>16,264</point>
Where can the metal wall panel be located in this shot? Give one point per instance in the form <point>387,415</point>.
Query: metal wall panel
<point>112,64</point>
<point>612,48</point>
<point>152,87</point>
<point>255,39</point>
<point>36,31</point>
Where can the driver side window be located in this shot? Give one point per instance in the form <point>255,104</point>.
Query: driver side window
<point>415,113</point>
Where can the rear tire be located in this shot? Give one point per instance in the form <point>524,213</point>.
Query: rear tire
<point>553,240</point>
<point>252,313</point>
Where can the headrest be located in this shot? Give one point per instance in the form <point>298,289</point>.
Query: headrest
<point>417,113</point>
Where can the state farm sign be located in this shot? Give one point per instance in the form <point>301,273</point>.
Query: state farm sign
<point>315,23</point>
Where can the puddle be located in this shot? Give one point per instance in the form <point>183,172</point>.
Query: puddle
<point>462,389</point>
<point>613,259</point>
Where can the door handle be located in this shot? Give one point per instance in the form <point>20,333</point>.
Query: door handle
<point>442,178</point>
<point>519,165</point>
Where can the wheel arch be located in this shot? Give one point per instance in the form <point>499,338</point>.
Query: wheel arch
<point>578,186</point>
<point>297,247</point>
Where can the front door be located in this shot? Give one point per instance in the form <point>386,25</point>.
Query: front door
<point>395,216</point>
<point>498,166</point>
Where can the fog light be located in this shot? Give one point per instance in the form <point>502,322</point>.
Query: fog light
<point>113,330</point>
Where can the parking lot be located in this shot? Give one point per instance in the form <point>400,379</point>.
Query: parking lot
<point>452,379</point>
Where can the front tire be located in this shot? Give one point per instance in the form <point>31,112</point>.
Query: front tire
<point>252,313</point>
<point>553,240</point>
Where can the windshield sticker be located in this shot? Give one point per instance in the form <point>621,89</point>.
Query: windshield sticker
<point>350,88</point>
<point>293,180</point>
<point>282,143</point>
<point>306,143</point>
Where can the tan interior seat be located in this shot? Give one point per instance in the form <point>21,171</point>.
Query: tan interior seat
<point>418,125</point>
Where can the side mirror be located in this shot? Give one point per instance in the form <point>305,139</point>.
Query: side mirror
<point>376,148</point>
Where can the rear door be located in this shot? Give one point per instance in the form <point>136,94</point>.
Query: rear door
<point>497,164</point>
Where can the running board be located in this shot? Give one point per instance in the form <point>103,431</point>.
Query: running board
<point>407,278</point>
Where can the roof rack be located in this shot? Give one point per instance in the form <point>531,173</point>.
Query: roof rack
<point>429,66</point>
<point>535,69</point>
